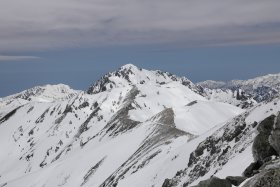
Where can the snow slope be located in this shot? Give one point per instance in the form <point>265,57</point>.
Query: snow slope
<point>225,150</point>
<point>47,93</point>
<point>111,136</point>
<point>133,127</point>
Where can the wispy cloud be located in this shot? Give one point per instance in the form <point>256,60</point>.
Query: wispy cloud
<point>5,58</point>
<point>41,24</point>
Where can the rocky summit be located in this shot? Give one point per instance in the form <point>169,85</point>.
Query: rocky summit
<point>143,128</point>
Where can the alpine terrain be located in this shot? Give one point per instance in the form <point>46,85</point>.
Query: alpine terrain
<point>140,128</point>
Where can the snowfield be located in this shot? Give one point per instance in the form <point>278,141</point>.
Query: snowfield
<point>133,127</point>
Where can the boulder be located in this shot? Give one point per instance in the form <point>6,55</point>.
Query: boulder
<point>254,124</point>
<point>266,178</point>
<point>274,138</point>
<point>252,169</point>
<point>214,182</point>
<point>236,180</point>
<point>266,126</point>
<point>262,148</point>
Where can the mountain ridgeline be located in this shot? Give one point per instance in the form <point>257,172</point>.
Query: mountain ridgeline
<point>136,127</point>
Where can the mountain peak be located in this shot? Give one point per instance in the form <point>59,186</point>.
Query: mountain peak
<point>129,75</point>
<point>45,93</point>
<point>129,66</point>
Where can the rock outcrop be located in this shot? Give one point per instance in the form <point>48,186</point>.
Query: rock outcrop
<point>236,180</point>
<point>252,169</point>
<point>214,182</point>
<point>265,171</point>
<point>165,117</point>
<point>262,148</point>
<point>274,138</point>
<point>265,148</point>
<point>269,176</point>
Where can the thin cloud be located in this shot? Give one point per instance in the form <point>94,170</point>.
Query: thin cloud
<point>5,58</point>
<point>40,24</point>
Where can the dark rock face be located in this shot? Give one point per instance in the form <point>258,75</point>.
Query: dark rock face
<point>252,169</point>
<point>265,93</point>
<point>274,139</point>
<point>261,146</point>
<point>213,144</point>
<point>236,180</point>
<point>266,178</point>
<point>214,182</point>
<point>244,98</point>
<point>264,171</point>
<point>100,86</point>
<point>7,116</point>
<point>266,126</point>
<point>167,183</point>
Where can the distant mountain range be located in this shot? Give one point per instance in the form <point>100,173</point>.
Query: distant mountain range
<point>138,128</point>
<point>263,88</point>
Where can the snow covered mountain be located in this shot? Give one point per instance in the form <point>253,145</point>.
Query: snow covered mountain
<point>227,149</point>
<point>132,75</point>
<point>47,93</point>
<point>264,88</point>
<point>133,127</point>
<point>236,97</point>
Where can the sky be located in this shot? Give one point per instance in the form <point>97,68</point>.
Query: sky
<point>75,42</point>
